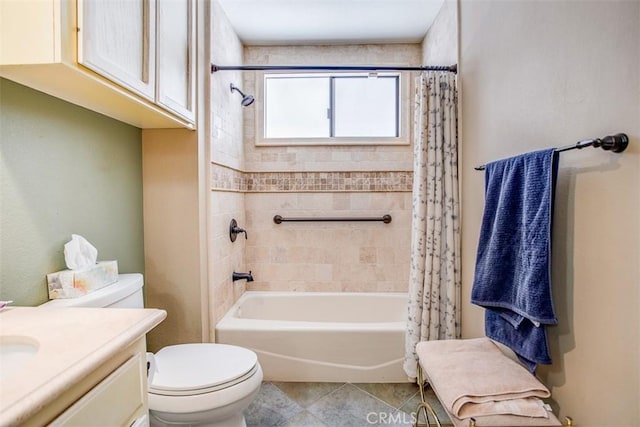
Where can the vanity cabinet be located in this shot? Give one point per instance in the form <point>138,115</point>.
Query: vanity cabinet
<point>118,400</point>
<point>133,60</point>
<point>114,393</point>
<point>89,368</point>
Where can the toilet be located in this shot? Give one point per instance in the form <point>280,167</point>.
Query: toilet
<point>207,385</point>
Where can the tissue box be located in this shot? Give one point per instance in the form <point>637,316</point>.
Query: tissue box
<point>75,283</point>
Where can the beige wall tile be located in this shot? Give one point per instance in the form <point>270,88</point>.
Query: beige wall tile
<point>321,256</point>
<point>226,111</point>
<point>343,158</point>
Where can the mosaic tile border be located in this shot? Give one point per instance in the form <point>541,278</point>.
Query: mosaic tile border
<point>227,179</point>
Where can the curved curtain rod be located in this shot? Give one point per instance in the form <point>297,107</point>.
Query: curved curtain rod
<point>215,68</point>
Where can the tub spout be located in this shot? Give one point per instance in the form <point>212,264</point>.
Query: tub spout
<point>240,276</point>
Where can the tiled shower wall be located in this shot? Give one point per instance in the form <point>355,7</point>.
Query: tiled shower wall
<point>252,184</point>
<point>225,149</point>
<point>329,256</point>
<point>322,256</point>
<point>308,181</point>
<point>325,158</point>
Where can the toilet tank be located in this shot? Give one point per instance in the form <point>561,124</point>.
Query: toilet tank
<point>125,293</point>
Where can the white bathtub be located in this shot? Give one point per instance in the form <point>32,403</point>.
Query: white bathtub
<point>313,336</point>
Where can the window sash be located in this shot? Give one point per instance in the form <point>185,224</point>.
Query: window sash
<point>332,110</point>
<point>404,127</point>
<point>396,107</point>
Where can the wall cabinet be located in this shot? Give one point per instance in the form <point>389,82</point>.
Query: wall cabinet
<point>133,60</point>
<point>116,39</point>
<point>176,56</point>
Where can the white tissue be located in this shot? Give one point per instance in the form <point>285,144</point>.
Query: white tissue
<point>79,253</point>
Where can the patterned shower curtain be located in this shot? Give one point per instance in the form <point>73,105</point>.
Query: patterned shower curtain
<point>434,281</point>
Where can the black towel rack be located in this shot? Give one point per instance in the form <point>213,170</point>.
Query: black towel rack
<point>278,219</point>
<point>616,143</point>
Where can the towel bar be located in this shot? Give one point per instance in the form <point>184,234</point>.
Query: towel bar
<point>278,219</point>
<point>616,143</point>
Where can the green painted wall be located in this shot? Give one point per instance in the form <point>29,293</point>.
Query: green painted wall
<point>63,170</point>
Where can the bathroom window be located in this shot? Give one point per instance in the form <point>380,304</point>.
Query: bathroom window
<point>331,109</point>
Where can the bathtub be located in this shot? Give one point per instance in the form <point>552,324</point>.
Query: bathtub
<point>324,337</point>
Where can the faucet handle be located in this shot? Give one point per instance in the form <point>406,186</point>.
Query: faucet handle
<point>242,230</point>
<point>234,230</point>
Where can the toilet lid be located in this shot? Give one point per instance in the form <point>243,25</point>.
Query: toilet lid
<point>194,367</point>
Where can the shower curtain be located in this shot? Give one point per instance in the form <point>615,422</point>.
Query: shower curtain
<point>434,281</point>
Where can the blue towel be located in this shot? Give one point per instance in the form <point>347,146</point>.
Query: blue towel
<point>512,277</point>
<point>527,340</point>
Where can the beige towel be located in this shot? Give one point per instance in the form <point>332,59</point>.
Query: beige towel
<point>474,378</point>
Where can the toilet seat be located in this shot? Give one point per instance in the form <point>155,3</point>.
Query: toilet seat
<point>192,369</point>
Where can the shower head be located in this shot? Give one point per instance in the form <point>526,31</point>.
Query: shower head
<point>246,99</point>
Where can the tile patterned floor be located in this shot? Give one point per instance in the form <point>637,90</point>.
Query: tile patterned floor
<point>337,405</point>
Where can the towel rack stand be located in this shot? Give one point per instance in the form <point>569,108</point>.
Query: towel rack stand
<point>278,219</point>
<point>616,143</point>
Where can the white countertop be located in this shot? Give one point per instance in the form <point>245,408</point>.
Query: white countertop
<point>72,342</point>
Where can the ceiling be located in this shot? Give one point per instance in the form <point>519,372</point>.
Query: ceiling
<point>271,22</point>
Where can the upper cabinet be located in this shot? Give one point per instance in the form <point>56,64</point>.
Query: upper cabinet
<point>117,40</point>
<point>133,60</point>
<point>176,56</point>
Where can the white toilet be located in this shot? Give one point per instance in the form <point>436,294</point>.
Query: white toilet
<point>189,384</point>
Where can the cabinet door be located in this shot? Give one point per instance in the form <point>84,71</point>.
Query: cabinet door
<point>176,56</point>
<point>118,400</point>
<point>116,39</point>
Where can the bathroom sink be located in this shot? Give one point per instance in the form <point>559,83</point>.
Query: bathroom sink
<point>15,352</point>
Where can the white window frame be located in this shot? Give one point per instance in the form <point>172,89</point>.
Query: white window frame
<point>404,137</point>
